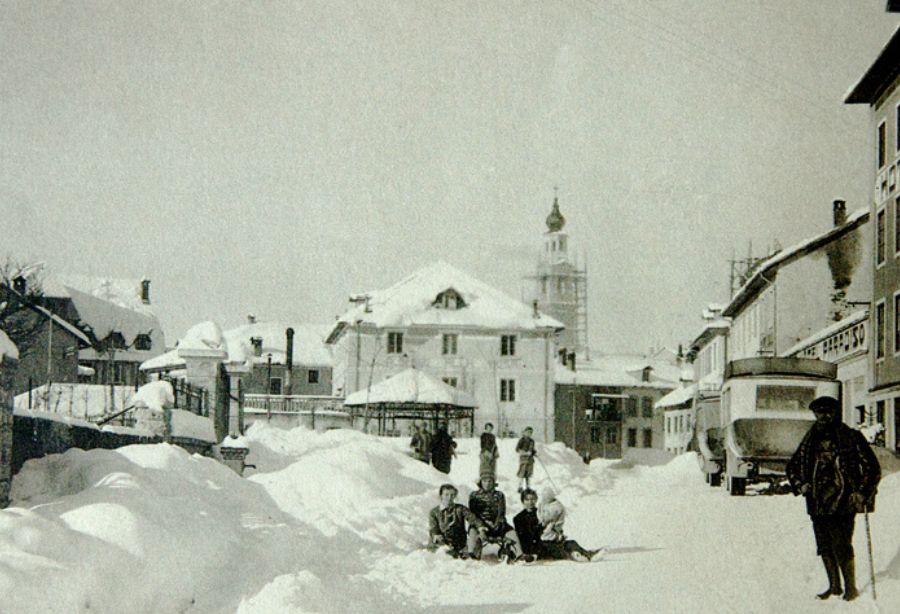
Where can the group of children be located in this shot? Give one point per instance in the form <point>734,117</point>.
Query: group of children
<point>538,531</point>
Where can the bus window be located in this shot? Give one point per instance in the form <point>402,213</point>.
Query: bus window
<point>784,398</point>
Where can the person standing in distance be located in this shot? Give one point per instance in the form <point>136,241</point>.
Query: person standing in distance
<point>835,469</point>
<point>443,449</point>
<point>489,452</point>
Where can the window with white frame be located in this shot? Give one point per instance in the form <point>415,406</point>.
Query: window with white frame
<point>507,345</point>
<point>312,376</point>
<point>395,343</point>
<point>879,330</point>
<point>882,144</point>
<point>449,344</point>
<point>879,237</point>
<point>897,226</point>
<point>896,323</point>
<point>507,390</point>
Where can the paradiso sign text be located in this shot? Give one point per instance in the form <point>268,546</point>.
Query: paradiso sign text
<point>840,344</point>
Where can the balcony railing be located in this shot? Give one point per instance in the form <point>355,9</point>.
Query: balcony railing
<point>293,404</point>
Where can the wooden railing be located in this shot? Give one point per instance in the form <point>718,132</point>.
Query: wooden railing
<point>293,404</point>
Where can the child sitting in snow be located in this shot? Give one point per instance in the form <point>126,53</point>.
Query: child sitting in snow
<point>540,531</point>
<point>447,525</point>
<point>490,506</point>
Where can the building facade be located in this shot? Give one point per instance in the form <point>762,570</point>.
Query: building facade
<point>458,330</point>
<point>879,88</point>
<point>606,406</point>
<point>801,289</point>
<point>845,344</point>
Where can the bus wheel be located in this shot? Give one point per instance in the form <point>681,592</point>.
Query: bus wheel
<point>737,486</point>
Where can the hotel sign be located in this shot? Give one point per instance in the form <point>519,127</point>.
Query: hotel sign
<point>839,345</point>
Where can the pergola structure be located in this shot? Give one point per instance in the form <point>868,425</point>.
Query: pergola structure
<point>411,395</point>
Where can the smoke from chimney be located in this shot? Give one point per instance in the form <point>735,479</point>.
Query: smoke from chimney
<point>843,256</point>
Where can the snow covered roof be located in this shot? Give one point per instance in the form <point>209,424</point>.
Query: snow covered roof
<point>620,370</point>
<point>853,318</point>
<point>309,343</point>
<point>411,386</point>
<point>759,280</point>
<point>103,317</point>
<point>710,329</point>
<point>7,347</point>
<point>122,292</point>
<point>414,301</point>
<point>883,71</point>
<point>679,396</point>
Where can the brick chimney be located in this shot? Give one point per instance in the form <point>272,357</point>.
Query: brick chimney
<point>288,360</point>
<point>839,211</point>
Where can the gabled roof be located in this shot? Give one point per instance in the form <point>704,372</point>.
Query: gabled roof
<point>119,291</point>
<point>411,387</point>
<point>103,317</point>
<point>881,73</point>
<point>765,272</point>
<point>410,302</point>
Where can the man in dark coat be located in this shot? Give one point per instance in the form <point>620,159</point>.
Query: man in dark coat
<point>835,469</point>
<point>447,525</point>
<point>443,449</point>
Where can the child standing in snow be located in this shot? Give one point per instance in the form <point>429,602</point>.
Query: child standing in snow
<point>447,525</point>
<point>489,452</point>
<point>525,450</point>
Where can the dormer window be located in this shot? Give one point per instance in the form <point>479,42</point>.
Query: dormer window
<point>449,299</point>
<point>645,374</point>
<point>143,342</point>
<point>115,340</point>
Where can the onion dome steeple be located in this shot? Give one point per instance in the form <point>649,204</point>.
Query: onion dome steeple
<point>555,221</point>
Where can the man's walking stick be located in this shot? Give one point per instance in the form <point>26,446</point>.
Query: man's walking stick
<point>871,558</point>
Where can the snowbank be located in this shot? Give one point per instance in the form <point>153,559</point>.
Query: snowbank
<point>154,395</point>
<point>333,522</point>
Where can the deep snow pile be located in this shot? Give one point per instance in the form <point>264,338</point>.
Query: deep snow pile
<point>334,523</point>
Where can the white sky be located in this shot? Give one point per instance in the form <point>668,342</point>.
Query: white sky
<point>275,157</point>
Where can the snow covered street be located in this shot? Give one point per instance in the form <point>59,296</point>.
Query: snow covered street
<point>335,522</point>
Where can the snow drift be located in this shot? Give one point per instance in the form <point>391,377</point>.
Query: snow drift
<point>333,522</point>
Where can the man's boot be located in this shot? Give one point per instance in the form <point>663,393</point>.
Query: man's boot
<point>848,568</point>
<point>834,580</point>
